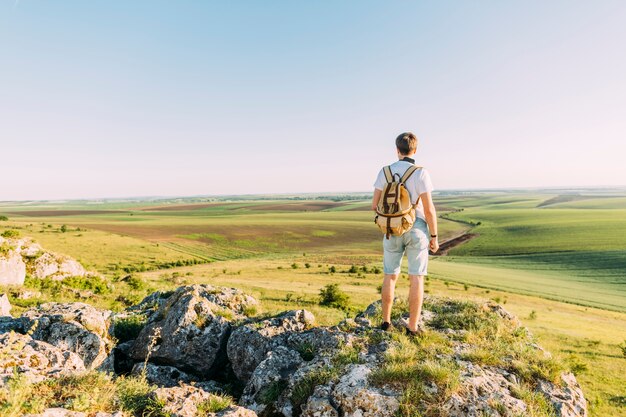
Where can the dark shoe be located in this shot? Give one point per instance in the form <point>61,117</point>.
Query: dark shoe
<point>419,332</point>
<point>385,326</point>
<point>412,334</point>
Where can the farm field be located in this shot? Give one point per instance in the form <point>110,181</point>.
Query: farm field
<point>557,260</point>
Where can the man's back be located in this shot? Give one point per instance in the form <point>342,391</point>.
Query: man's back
<point>417,183</point>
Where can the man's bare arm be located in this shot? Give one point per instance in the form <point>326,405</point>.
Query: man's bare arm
<point>376,198</point>
<point>431,219</point>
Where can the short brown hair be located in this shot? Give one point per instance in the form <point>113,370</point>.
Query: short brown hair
<point>406,143</point>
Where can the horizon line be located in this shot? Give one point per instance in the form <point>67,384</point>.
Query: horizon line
<point>321,193</point>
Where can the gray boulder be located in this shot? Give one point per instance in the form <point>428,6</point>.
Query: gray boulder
<point>12,266</point>
<point>190,330</point>
<point>568,399</point>
<point>249,344</point>
<point>5,305</point>
<point>184,401</point>
<point>162,375</point>
<point>76,327</point>
<point>354,396</point>
<point>269,377</point>
<point>482,390</point>
<point>35,359</point>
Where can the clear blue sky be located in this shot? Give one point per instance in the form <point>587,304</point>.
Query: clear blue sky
<point>131,98</point>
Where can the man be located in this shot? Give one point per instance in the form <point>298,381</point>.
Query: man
<point>415,242</point>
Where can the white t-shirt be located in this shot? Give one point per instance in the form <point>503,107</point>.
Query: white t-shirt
<point>418,183</point>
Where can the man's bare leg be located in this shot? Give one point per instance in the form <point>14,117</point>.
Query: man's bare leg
<point>416,296</point>
<point>389,285</point>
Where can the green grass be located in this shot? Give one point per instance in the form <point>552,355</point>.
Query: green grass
<point>88,392</point>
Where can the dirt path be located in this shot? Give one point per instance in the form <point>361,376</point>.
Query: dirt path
<point>454,242</point>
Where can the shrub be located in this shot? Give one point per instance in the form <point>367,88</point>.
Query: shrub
<point>128,328</point>
<point>294,266</point>
<point>10,233</point>
<point>63,228</point>
<point>135,282</point>
<point>332,269</point>
<point>622,346</point>
<point>95,284</point>
<point>465,287</point>
<point>3,218</point>
<point>307,265</point>
<point>332,296</point>
<point>353,269</point>
<point>532,315</point>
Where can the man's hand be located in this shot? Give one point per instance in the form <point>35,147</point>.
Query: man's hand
<point>376,198</point>
<point>434,245</point>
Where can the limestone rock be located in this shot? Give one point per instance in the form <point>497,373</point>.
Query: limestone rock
<point>269,377</point>
<point>162,375</point>
<point>354,396</point>
<point>190,330</point>
<point>77,327</point>
<point>481,390</point>
<point>568,400</point>
<point>12,266</point>
<point>234,411</point>
<point>249,344</point>
<point>183,401</point>
<point>5,305</point>
<point>35,359</point>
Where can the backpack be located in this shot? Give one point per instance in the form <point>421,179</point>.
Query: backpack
<point>395,214</point>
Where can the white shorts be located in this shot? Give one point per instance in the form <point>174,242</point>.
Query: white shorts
<point>415,243</point>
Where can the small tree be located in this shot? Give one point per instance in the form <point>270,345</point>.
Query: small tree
<point>332,296</point>
<point>64,228</point>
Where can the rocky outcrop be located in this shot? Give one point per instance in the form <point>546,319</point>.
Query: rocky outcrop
<point>188,401</point>
<point>12,266</point>
<point>34,359</point>
<point>354,395</point>
<point>481,389</point>
<point>191,328</point>
<point>19,257</point>
<point>5,305</point>
<point>169,376</point>
<point>75,327</point>
<point>568,399</point>
<point>250,343</point>
<point>287,366</point>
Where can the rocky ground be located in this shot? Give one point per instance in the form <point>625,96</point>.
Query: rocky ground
<point>204,350</point>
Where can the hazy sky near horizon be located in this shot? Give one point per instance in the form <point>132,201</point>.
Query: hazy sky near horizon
<point>120,98</point>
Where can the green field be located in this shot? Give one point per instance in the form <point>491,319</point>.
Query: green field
<point>556,259</point>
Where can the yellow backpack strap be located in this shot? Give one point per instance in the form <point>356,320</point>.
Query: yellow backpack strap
<point>388,176</point>
<point>408,173</point>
